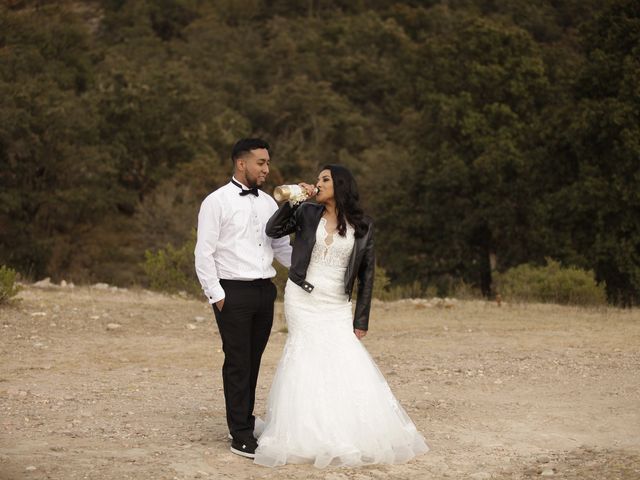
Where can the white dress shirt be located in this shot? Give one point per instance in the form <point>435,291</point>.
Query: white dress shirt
<point>232,243</point>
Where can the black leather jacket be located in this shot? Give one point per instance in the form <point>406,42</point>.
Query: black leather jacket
<point>303,220</point>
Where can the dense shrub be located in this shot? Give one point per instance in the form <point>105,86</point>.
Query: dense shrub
<point>172,269</point>
<point>381,284</point>
<point>8,287</point>
<point>551,283</point>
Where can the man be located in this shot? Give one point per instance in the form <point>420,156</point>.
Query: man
<point>234,260</point>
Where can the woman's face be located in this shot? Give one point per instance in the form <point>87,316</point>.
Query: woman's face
<point>325,187</point>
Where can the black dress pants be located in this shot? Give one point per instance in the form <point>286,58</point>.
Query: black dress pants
<point>244,324</point>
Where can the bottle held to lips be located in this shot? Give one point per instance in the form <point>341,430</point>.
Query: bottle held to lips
<point>293,193</point>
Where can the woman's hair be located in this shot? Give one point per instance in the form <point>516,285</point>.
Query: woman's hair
<point>347,199</point>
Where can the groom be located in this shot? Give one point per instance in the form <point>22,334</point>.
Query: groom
<point>233,258</point>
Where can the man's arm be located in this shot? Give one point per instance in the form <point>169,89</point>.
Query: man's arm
<point>209,221</point>
<point>282,250</point>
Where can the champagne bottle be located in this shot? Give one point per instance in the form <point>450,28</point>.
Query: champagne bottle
<point>292,193</point>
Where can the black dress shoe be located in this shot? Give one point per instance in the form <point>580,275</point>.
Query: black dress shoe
<point>244,448</point>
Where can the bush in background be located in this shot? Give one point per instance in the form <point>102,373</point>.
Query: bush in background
<point>280,280</point>
<point>381,284</point>
<point>172,269</point>
<point>8,287</point>
<point>551,283</point>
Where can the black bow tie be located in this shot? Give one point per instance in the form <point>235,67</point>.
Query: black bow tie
<point>252,191</point>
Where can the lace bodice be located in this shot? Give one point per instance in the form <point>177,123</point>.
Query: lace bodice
<point>332,249</point>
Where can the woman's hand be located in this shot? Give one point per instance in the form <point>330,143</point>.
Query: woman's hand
<point>310,189</point>
<point>359,333</point>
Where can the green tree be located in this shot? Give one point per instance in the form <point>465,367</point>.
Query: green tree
<point>594,211</point>
<point>55,179</point>
<point>467,174</point>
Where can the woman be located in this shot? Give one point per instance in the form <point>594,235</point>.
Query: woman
<point>329,404</point>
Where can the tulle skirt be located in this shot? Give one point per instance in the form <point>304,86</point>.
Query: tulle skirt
<point>329,404</point>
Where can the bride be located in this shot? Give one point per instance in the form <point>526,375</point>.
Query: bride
<point>329,404</point>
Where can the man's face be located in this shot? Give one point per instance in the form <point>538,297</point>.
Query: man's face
<point>254,167</point>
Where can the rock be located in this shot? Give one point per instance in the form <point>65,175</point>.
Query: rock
<point>113,326</point>
<point>199,319</point>
<point>39,314</point>
<point>191,326</point>
<point>101,286</point>
<point>547,472</point>
<point>30,468</point>
<point>44,283</point>
<point>63,283</point>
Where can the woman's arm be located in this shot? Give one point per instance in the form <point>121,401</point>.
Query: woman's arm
<point>283,222</point>
<point>365,285</point>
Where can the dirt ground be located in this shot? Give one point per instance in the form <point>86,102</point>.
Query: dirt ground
<point>105,383</point>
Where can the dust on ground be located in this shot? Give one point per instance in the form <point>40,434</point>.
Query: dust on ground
<point>104,383</point>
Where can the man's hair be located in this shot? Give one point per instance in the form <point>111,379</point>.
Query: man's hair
<point>245,145</point>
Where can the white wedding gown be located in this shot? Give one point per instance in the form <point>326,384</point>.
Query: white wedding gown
<point>329,404</point>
